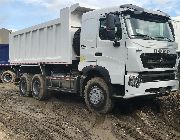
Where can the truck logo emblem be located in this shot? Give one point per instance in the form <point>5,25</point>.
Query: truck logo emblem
<point>161,51</point>
<point>161,60</point>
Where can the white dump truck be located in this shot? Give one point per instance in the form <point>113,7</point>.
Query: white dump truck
<point>120,52</point>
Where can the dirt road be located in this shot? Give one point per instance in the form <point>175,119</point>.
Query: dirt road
<point>65,116</point>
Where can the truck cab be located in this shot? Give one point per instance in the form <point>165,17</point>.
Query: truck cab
<point>132,47</point>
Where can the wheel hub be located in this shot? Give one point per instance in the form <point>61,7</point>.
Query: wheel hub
<point>23,86</point>
<point>96,95</point>
<point>7,78</point>
<point>36,87</point>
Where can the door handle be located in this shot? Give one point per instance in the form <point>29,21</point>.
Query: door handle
<point>98,54</point>
<point>83,46</point>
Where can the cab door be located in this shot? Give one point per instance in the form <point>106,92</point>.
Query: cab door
<point>88,42</point>
<point>110,56</point>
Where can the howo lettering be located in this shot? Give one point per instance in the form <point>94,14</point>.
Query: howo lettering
<point>120,52</point>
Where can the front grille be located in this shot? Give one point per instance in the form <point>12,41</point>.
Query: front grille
<point>158,60</point>
<point>157,76</point>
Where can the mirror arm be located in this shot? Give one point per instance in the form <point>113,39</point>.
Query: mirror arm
<point>116,43</point>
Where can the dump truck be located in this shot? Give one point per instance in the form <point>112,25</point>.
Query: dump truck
<point>7,74</point>
<point>102,55</point>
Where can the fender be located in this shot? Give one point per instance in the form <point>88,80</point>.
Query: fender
<point>91,71</point>
<point>97,70</point>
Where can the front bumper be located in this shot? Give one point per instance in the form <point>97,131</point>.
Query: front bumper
<point>149,88</point>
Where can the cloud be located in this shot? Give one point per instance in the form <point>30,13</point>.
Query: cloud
<point>163,1</point>
<point>5,1</point>
<point>49,4</point>
<point>14,13</point>
<point>3,19</point>
<point>168,6</point>
<point>12,30</point>
<point>163,5</point>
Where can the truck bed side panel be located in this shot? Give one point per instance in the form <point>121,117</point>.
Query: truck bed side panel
<point>45,43</point>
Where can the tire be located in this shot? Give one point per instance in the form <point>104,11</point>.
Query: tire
<point>8,77</point>
<point>39,87</point>
<point>25,85</point>
<point>76,42</point>
<point>97,96</point>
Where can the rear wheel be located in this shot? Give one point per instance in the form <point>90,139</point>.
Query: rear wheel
<point>97,96</point>
<point>39,87</point>
<point>8,77</point>
<point>25,85</point>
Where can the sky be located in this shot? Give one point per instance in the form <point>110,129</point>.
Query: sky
<point>19,14</point>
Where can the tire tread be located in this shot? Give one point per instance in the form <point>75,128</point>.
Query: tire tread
<point>109,103</point>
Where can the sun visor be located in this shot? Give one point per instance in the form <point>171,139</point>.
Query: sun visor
<point>81,8</point>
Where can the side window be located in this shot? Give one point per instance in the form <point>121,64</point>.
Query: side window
<point>105,34</point>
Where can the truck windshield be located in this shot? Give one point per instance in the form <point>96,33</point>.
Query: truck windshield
<point>149,29</point>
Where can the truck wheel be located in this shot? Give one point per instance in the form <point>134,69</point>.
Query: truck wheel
<point>25,85</point>
<point>8,77</point>
<point>39,87</point>
<point>97,96</point>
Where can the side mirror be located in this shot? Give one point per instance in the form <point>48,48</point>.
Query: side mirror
<point>110,22</point>
<point>117,20</point>
<point>110,26</point>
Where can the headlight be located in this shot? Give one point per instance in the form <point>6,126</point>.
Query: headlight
<point>135,81</point>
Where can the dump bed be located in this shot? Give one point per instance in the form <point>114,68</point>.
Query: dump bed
<point>50,42</point>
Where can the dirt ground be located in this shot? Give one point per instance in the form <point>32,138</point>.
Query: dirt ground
<point>65,116</point>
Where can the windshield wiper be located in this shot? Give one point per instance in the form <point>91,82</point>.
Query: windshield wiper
<point>162,37</point>
<point>142,35</point>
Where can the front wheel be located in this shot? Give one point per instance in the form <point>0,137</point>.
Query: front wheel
<point>97,96</point>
